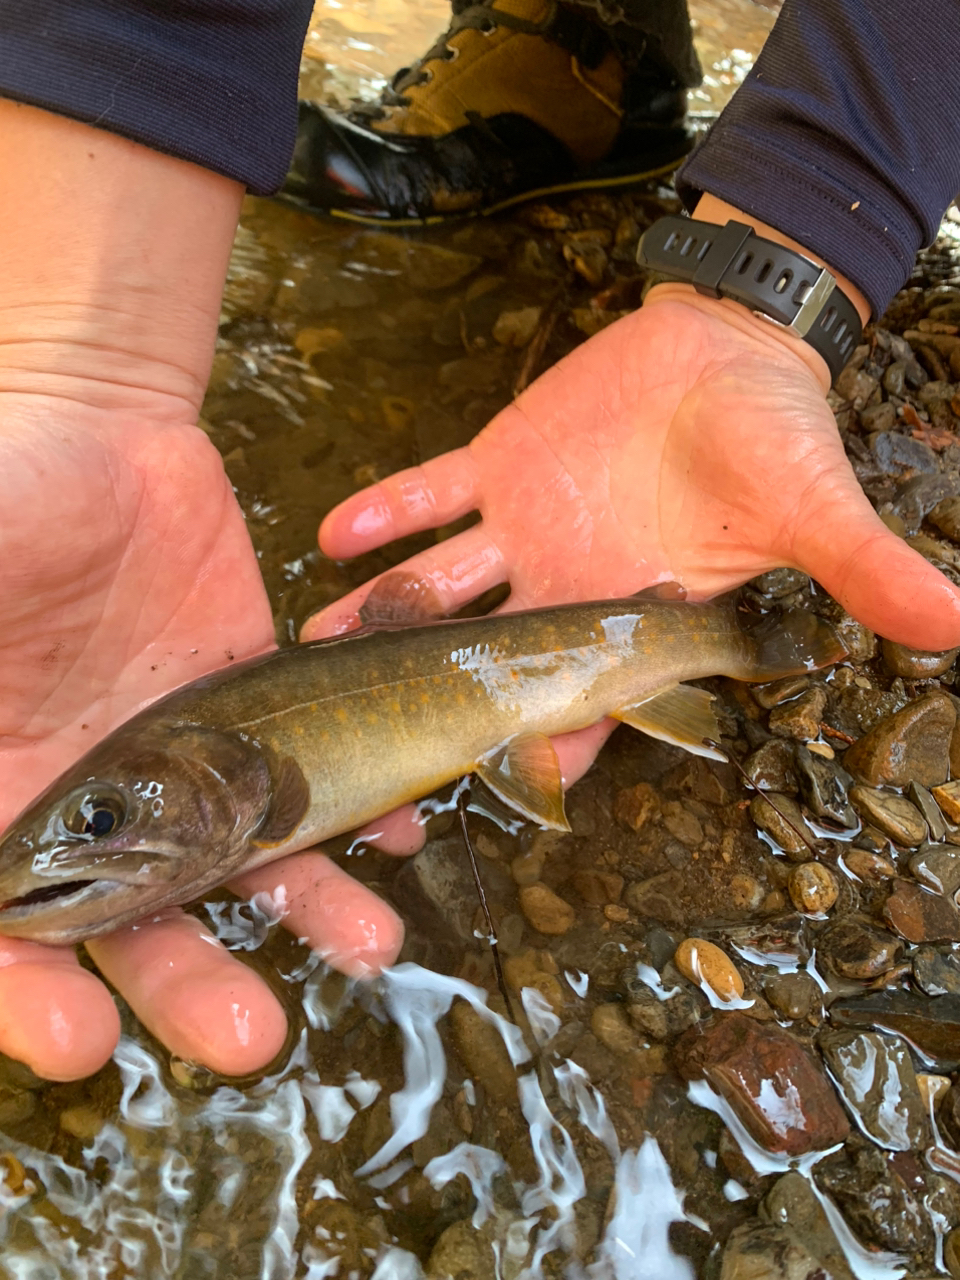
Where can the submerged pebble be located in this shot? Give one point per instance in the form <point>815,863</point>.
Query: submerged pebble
<point>919,915</point>
<point>916,664</point>
<point>813,888</point>
<point>704,963</point>
<point>890,813</point>
<point>854,949</point>
<point>877,1079</point>
<point>912,745</point>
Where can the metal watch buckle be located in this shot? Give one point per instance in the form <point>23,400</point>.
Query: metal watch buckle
<point>813,304</point>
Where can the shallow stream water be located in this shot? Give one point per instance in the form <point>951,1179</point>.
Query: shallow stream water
<point>409,1126</point>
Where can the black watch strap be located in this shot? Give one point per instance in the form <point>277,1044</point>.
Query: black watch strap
<point>776,282</point>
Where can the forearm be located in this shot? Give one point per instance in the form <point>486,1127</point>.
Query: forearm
<point>846,135</point>
<point>112,258</point>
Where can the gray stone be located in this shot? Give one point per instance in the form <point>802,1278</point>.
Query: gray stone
<point>893,814</point>
<point>794,995</point>
<point>824,786</point>
<point>937,973</point>
<point>916,664</point>
<point>895,453</point>
<point>938,867</point>
<point>778,583</point>
<point>878,1202</point>
<point>946,516</point>
<point>876,1076</point>
<point>931,811</point>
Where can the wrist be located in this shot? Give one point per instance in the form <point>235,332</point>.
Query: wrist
<point>112,258</point>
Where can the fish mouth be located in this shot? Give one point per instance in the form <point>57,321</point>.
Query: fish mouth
<point>46,893</point>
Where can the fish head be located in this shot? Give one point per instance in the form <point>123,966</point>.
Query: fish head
<point>152,816</point>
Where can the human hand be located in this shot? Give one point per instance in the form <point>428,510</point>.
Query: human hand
<point>126,569</point>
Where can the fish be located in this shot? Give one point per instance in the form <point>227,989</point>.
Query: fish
<point>278,753</point>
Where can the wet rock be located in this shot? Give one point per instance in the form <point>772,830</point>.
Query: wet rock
<point>915,497</point>
<point>772,695</point>
<point>813,888</point>
<point>658,898</point>
<point>933,1090</point>
<point>913,745</point>
<point>853,949</point>
<point>782,819</point>
<point>800,718</point>
<point>778,583</point>
<point>664,1019</point>
<point>703,962</point>
<point>859,642</point>
<point>757,1252</point>
<point>546,911</point>
<point>921,916</point>
<point>932,814</point>
<point>824,786</point>
<point>781,940</point>
<point>856,710</point>
<point>424,265</point>
<point>770,767</point>
<point>635,806</point>
<point>587,260</point>
<point>527,867</point>
<point>794,996</point>
<point>878,417</point>
<point>948,800</point>
<point>938,868</point>
<point>682,824</point>
<point>876,1076</point>
<point>868,866</point>
<point>895,453</point>
<point>776,1088</point>
<point>933,1026</point>
<point>15,1105</point>
<point>81,1122</point>
<point>532,968</point>
<point>877,1202</point>
<point>745,892</point>
<point>946,516</point>
<point>516,328</point>
<point>792,1203</point>
<point>948,1117</point>
<point>598,887</point>
<point>951,1253</point>
<point>892,814</point>
<point>483,1052</point>
<point>937,973</point>
<point>915,664</point>
<point>610,1024</point>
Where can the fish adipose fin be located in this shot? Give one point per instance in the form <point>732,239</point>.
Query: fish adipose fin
<point>525,774</point>
<point>401,600</point>
<point>682,715</point>
<point>289,802</point>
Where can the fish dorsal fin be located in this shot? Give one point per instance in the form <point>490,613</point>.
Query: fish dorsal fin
<point>401,600</point>
<point>525,774</point>
<point>662,591</point>
<point>682,715</point>
<point>289,802</point>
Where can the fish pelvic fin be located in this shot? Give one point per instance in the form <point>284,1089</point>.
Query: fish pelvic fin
<point>525,774</point>
<point>791,643</point>
<point>681,715</point>
<point>289,802</point>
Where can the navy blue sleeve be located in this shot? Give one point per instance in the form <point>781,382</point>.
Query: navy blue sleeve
<point>845,135</point>
<point>211,81</point>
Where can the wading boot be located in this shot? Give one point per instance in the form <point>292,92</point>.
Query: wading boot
<point>519,98</point>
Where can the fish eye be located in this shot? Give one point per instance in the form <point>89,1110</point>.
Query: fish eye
<point>95,814</point>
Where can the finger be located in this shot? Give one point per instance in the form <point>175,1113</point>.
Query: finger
<point>443,489</point>
<point>456,571</point>
<point>187,988</point>
<point>352,929</point>
<point>576,752</point>
<point>399,833</point>
<point>54,1015</point>
<point>877,578</point>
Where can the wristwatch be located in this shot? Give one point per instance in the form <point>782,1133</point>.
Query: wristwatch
<point>775,282</point>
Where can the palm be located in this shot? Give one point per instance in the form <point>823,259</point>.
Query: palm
<point>111,602</point>
<point>675,445</point>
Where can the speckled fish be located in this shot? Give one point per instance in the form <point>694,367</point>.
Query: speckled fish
<point>277,753</point>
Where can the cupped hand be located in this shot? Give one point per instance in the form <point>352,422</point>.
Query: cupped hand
<point>125,570</point>
<point>690,441</point>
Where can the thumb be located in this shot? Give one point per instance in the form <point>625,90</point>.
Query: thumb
<point>883,583</point>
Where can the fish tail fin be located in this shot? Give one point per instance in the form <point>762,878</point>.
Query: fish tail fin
<point>791,643</point>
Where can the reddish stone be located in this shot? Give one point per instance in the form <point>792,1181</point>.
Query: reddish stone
<point>779,1092</point>
<point>921,916</point>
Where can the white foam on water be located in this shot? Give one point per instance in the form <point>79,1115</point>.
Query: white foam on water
<point>577,1092</point>
<point>479,1165</point>
<point>579,982</point>
<point>636,1243</point>
<point>649,976</point>
<point>561,1182</point>
<point>397,1264</point>
<point>416,999</point>
<point>146,1101</point>
<point>329,1105</point>
<point>326,1189</point>
<point>544,1023</point>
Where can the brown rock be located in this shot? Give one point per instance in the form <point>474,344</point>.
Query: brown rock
<point>913,745</point>
<point>813,888</point>
<point>921,916</point>
<point>933,1026</point>
<point>800,718</point>
<point>598,887</point>
<point>948,798</point>
<point>771,695</point>
<point>703,962</point>
<point>636,806</point>
<point>873,868</point>
<point>547,912</point>
<point>682,824</point>
<point>658,898</point>
<point>853,949</point>
<point>782,819</point>
<point>890,813</point>
<point>776,1088</point>
<point>916,664</point>
<point>484,1054</point>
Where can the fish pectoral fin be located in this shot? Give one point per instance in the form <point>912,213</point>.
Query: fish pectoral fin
<point>525,774</point>
<point>401,600</point>
<point>289,802</point>
<point>682,715</point>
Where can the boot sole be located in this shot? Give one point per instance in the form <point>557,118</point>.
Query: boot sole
<point>599,182</point>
